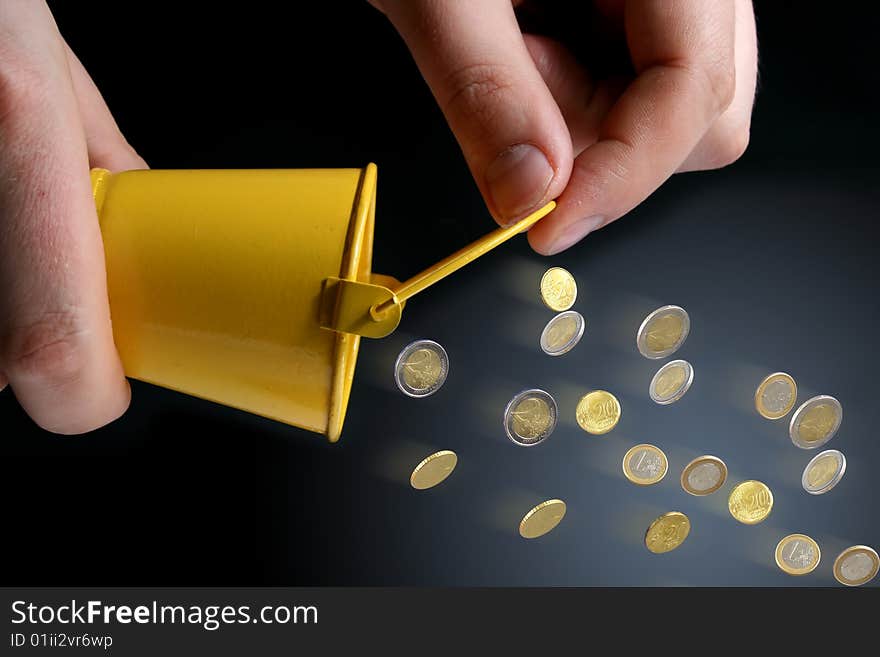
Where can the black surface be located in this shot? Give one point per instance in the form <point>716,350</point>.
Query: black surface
<point>775,258</point>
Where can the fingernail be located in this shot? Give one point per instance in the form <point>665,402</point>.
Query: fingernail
<point>518,180</point>
<point>575,233</point>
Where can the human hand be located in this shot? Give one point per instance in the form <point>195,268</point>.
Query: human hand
<point>535,124</point>
<point>56,343</point>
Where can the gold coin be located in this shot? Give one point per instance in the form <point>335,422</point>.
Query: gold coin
<point>542,519</point>
<point>645,464</point>
<point>815,422</point>
<point>856,565</point>
<point>558,289</point>
<point>433,470</point>
<point>797,554</point>
<point>776,395</point>
<point>704,475</point>
<point>667,532</point>
<point>598,412</point>
<point>750,502</point>
<point>663,331</point>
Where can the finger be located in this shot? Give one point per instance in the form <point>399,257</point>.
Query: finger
<point>107,147</point>
<point>56,345</point>
<point>728,137</point>
<point>683,56</point>
<point>582,101</point>
<point>511,131</point>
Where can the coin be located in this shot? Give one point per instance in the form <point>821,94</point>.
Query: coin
<point>797,554</point>
<point>750,502</point>
<point>562,333</point>
<point>704,475</point>
<point>776,395</point>
<point>815,422</point>
<point>823,472</point>
<point>421,368</point>
<point>667,532</point>
<point>530,417</point>
<point>598,412</point>
<point>433,470</point>
<point>671,382</point>
<point>558,289</point>
<point>856,565</point>
<point>542,519</point>
<point>645,464</point>
<point>663,332</point>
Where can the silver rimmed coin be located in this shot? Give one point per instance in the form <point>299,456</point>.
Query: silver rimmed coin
<point>823,472</point>
<point>663,332</point>
<point>530,417</point>
<point>421,368</point>
<point>562,333</point>
<point>815,422</point>
<point>671,382</point>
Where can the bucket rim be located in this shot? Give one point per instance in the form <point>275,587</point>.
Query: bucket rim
<point>356,266</point>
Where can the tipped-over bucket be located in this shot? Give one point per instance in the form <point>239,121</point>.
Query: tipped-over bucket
<point>215,281</point>
<point>252,288</point>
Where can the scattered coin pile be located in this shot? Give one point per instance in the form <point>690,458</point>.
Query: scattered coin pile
<point>531,417</point>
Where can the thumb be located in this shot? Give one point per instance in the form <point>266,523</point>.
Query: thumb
<point>511,131</point>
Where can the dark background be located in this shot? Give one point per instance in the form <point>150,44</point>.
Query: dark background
<point>774,257</point>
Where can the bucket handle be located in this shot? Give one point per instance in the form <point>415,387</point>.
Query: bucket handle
<point>373,309</point>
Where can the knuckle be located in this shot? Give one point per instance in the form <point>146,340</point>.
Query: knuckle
<point>720,78</point>
<point>48,349</point>
<point>618,160</point>
<point>609,169</point>
<point>592,184</point>
<point>478,91</point>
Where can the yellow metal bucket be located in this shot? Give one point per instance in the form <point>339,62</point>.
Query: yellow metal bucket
<point>252,288</point>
